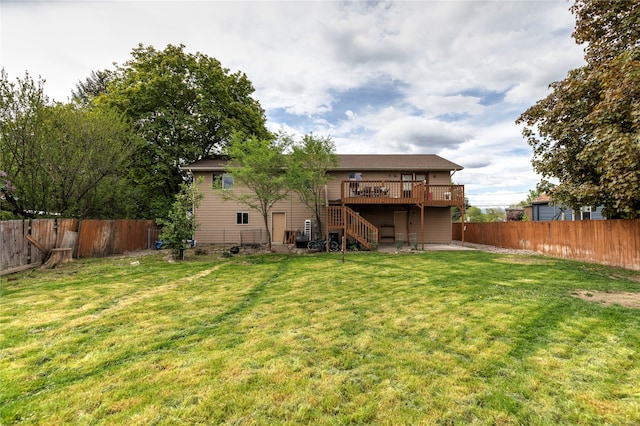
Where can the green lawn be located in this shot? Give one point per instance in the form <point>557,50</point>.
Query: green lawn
<point>430,338</point>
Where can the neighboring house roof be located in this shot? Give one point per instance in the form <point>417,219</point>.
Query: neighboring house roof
<point>355,162</point>
<point>542,199</point>
<point>206,165</point>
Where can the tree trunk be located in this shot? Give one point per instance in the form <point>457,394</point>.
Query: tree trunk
<point>265,216</point>
<point>58,256</point>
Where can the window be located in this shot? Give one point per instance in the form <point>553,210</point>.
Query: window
<point>242,218</point>
<point>354,186</point>
<point>585,213</point>
<point>223,180</point>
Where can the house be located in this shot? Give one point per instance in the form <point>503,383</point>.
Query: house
<point>543,209</point>
<point>371,199</point>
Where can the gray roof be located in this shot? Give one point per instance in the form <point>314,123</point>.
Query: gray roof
<point>397,162</point>
<point>358,162</point>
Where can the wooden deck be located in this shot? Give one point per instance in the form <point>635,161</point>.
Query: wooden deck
<point>401,192</point>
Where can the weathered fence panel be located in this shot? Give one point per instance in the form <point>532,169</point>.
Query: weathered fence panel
<point>13,245</point>
<point>610,242</point>
<point>96,238</point>
<point>64,225</point>
<point>44,232</point>
<point>99,238</point>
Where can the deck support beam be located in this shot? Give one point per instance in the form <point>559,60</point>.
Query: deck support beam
<point>422,225</point>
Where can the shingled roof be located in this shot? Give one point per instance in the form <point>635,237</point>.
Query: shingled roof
<point>357,162</point>
<point>395,162</point>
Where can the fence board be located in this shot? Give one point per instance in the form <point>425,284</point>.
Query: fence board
<point>13,245</point>
<point>94,238</point>
<point>100,238</point>
<point>44,231</point>
<point>610,242</point>
<point>65,225</point>
<point>97,238</point>
<point>130,235</point>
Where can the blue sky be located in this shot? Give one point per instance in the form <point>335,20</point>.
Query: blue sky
<point>433,77</point>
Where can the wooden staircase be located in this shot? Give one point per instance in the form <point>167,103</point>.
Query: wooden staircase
<point>354,225</point>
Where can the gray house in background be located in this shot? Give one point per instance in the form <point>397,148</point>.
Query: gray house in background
<point>542,209</point>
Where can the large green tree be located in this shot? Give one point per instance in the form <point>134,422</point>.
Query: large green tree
<point>586,133</point>
<point>94,86</point>
<point>86,156</point>
<point>307,171</point>
<point>186,107</point>
<point>62,159</point>
<point>258,167</point>
<point>23,106</point>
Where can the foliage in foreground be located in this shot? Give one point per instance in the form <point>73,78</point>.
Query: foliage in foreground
<point>585,134</point>
<point>432,338</point>
<point>180,223</point>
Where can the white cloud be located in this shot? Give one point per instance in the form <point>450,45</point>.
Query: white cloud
<point>438,77</point>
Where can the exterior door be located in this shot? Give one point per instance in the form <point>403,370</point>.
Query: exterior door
<point>278,225</point>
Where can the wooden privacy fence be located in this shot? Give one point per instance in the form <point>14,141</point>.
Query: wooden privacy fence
<point>95,238</point>
<point>610,242</point>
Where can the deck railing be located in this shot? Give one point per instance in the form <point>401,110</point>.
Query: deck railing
<point>401,192</point>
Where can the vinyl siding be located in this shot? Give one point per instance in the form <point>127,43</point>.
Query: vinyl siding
<point>216,217</point>
<point>547,212</point>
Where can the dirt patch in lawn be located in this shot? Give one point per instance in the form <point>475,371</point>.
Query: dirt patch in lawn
<point>622,298</point>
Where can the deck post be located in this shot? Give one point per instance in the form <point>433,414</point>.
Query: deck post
<point>344,224</point>
<point>422,224</point>
<point>462,221</point>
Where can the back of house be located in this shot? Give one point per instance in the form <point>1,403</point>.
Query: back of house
<point>399,199</point>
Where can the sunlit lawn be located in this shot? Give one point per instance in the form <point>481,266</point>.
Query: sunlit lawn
<point>430,338</point>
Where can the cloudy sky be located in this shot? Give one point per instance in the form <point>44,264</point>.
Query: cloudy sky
<point>432,77</point>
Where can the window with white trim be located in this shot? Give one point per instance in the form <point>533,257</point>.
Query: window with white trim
<point>242,218</point>
<point>223,181</point>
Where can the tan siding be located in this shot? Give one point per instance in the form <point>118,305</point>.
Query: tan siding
<point>439,178</point>
<point>437,225</point>
<point>217,218</point>
<point>333,186</point>
<point>296,211</point>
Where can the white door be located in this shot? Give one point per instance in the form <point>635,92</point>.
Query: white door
<point>278,225</point>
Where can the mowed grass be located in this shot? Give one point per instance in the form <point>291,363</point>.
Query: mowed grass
<point>429,338</point>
